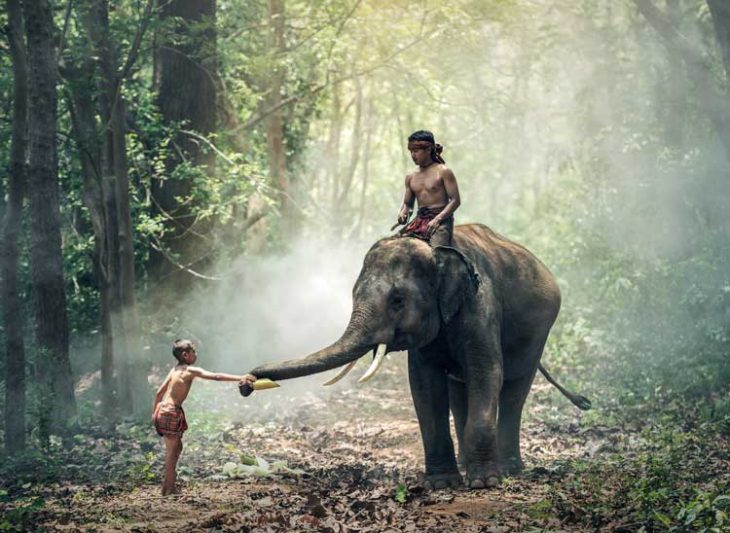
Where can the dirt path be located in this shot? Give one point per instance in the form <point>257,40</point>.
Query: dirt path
<point>361,454</point>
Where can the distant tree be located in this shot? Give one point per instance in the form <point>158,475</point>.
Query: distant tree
<point>98,109</point>
<point>275,120</point>
<point>11,301</point>
<point>51,319</point>
<point>720,11</point>
<point>712,96</point>
<point>99,197</point>
<point>186,78</point>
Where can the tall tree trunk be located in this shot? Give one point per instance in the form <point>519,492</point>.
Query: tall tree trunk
<point>355,147</point>
<point>720,11</point>
<point>84,124</point>
<point>186,62</point>
<point>122,311</point>
<point>53,365</point>
<point>674,108</point>
<point>332,154</point>
<point>275,122</point>
<point>369,126</point>
<point>12,307</point>
<point>134,369</point>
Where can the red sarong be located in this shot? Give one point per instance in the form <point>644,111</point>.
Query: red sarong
<point>170,420</point>
<point>418,227</point>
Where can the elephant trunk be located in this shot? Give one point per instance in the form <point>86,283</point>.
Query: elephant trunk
<point>340,353</point>
<point>352,345</point>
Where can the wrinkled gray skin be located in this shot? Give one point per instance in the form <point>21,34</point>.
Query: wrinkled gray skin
<point>474,320</point>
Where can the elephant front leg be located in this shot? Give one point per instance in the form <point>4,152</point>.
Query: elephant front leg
<point>430,393</point>
<point>480,432</point>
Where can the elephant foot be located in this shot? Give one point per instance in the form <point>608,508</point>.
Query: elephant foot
<point>442,481</point>
<point>513,466</point>
<point>482,478</point>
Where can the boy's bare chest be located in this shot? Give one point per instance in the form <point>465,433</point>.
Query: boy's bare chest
<point>427,182</point>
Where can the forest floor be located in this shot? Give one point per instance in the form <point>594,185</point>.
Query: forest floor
<point>356,454</point>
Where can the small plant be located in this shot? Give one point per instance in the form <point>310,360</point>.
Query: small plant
<point>705,512</point>
<point>143,471</point>
<point>401,493</point>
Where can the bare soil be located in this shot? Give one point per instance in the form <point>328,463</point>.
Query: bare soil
<point>360,449</point>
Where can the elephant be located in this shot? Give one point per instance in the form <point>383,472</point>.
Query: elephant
<point>474,319</point>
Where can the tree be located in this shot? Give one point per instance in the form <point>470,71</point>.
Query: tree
<point>712,95</point>
<point>186,76</point>
<point>113,110</point>
<point>99,197</point>
<point>275,121</point>
<point>98,110</point>
<point>720,12</point>
<point>11,302</point>
<point>51,319</point>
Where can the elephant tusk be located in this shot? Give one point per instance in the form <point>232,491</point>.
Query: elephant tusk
<point>375,365</point>
<point>342,373</point>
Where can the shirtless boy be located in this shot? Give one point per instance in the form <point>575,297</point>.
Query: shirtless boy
<point>167,412</point>
<point>434,186</point>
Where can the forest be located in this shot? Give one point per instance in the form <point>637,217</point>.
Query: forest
<point>217,170</point>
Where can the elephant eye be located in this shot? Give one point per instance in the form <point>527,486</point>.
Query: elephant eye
<point>397,301</point>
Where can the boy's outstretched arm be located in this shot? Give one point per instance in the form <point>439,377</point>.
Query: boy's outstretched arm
<point>216,376</point>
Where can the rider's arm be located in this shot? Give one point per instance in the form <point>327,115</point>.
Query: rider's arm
<point>452,192</point>
<point>408,200</point>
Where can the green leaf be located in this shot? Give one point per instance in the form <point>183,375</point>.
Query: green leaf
<point>664,519</point>
<point>401,493</point>
<point>247,459</point>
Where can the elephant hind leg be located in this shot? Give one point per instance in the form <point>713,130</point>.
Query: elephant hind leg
<point>511,401</point>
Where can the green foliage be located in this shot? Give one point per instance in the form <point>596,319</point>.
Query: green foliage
<point>401,493</point>
<point>29,468</point>
<point>143,470</point>
<point>668,481</point>
<point>20,516</point>
<point>704,512</point>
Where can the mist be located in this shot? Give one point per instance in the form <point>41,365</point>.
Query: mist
<point>275,307</point>
<point>570,129</point>
<point>229,192</point>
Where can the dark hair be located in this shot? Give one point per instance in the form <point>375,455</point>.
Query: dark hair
<point>427,136</point>
<point>421,135</point>
<point>180,346</point>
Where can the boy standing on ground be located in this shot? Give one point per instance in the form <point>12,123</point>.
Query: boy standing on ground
<point>434,186</point>
<point>167,412</point>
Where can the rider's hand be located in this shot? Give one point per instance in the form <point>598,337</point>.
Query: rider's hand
<point>432,226</point>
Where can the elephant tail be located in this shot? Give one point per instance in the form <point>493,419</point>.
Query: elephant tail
<point>581,402</point>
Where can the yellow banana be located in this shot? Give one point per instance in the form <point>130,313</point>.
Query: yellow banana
<point>263,384</point>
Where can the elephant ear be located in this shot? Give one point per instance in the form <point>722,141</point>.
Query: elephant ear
<point>458,280</point>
